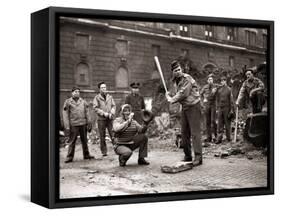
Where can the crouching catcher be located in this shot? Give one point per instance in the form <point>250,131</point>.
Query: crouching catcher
<point>129,135</point>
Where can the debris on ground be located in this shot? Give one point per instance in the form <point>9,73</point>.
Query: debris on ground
<point>92,171</point>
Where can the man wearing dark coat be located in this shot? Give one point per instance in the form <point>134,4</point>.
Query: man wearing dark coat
<point>208,95</point>
<point>136,101</point>
<point>225,105</point>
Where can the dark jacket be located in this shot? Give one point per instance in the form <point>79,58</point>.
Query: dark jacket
<point>187,92</point>
<point>75,113</point>
<point>224,97</point>
<point>137,103</point>
<point>208,94</point>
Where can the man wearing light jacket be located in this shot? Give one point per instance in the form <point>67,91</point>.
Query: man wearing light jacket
<point>129,136</point>
<point>189,97</point>
<point>105,108</point>
<point>253,88</point>
<point>76,121</point>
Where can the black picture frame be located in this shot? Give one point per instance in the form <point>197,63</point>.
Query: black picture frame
<point>45,100</point>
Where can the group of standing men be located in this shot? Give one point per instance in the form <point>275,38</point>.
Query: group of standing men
<point>127,131</point>
<point>219,105</point>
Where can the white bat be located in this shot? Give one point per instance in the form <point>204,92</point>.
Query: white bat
<point>236,125</point>
<point>160,72</point>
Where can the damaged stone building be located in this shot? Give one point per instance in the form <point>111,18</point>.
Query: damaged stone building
<point>120,52</point>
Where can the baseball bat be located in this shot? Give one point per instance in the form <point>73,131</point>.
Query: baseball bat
<point>236,124</point>
<point>160,72</point>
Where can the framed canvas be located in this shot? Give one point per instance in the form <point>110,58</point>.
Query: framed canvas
<point>139,107</point>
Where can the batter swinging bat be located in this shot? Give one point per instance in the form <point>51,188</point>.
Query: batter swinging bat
<point>160,72</point>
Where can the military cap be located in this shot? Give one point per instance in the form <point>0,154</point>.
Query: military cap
<point>249,69</point>
<point>75,88</point>
<point>135,85</point>
<point>175,64</point>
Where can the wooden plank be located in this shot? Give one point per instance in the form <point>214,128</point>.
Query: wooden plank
<point>177,167</point>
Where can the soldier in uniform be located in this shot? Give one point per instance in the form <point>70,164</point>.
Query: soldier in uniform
<point>188,95</point>
<point>208,95</point>
<point>136,101</point>
<point>225,106</point>
<point>105,108</point>
<point>253,88</point>
<point>76,119</point>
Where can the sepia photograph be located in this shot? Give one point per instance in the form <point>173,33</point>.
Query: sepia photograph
<point>150,107</point>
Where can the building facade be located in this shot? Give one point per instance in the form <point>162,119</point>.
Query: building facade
<point>121,52</point>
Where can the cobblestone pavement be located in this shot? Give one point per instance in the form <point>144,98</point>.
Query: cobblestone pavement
<point>104,177</point>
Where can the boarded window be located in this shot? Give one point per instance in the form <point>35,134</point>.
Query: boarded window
<point>82,41</point>
<point>211,55</point>
<point>251,38</point>
<point>82,74</point>
<point>251,62</point>
<point>232,33</point>
<point>122,47</point>
<point>264,41</point>
<point>156,52</point>
<point>231,61</point>
<point>122,78</point>
<point>185,53</point>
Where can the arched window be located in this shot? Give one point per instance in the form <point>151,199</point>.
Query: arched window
<point>122,78</point>
<point>82,74</point>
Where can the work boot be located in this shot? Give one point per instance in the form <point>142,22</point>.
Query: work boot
<point>89,157</point>
<point>142,161</point>
<point>122,162</point>
<point>218,141</point>
<point>198,160</point>
<point>187,159</point>
<point>68,160</point>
